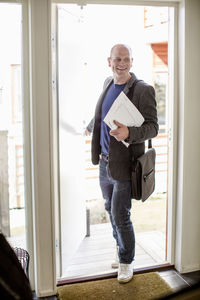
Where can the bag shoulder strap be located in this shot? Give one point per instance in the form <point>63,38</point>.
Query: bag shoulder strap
<point>132,88</point>
<point>130,96</point>
<point>150,143</point>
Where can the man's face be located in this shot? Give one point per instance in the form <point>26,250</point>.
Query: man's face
<point>120,61</point>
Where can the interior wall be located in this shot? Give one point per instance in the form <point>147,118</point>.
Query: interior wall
<point>188,197</point>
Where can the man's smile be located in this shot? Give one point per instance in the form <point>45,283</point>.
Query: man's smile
<point>121,69</point>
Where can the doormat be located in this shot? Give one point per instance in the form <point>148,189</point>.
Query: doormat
<point>141,287</point>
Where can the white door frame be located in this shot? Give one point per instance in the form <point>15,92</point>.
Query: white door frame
<point>39,144</point>
<point>172,135</point>
<point>49,235</point>
<point>172,109</point>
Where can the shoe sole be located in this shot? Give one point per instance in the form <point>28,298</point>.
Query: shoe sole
<point>124,280</point>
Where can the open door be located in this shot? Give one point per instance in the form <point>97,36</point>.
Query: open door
<point>82,69</point>
<point>66,90</point>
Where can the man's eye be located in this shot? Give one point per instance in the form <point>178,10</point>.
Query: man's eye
<point>126,60</point>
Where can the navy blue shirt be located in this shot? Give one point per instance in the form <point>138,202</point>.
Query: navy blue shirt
<point>112,93</point>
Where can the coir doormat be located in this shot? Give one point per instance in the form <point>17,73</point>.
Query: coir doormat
<point>141,287</point>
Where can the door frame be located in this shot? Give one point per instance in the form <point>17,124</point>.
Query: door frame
<point>38,96</point>
<point>38,122</point>
<point>173,109</point>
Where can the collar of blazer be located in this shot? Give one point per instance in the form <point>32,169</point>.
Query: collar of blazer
<point>107,83</point>
<point>128,85</point>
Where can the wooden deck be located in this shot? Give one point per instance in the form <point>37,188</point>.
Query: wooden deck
<point>97,251</point>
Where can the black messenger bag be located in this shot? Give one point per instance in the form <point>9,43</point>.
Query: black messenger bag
<point>143,174</point>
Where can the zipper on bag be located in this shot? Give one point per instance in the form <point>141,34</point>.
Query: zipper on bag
<point>148,174</point>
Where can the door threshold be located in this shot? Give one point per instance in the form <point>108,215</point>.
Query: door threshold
<point>156,268</point>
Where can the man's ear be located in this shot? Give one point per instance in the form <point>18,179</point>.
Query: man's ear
<point>109,61</point>
<point>131,62</point>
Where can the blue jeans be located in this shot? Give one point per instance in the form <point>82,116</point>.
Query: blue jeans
<point>117,195</point>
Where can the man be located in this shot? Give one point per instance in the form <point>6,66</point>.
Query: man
<point>114,158</point>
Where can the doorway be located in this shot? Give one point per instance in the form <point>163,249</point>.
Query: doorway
<point>85,37</point>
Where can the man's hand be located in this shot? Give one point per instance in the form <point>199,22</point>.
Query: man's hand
<point>121,133</point>
<point>87,132</point>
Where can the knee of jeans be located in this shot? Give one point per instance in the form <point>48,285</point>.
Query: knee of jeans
<point>117,218</point>
<point>121,219</point>
<point>107,206</point>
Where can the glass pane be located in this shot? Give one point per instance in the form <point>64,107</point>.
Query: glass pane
<point>12,202</point>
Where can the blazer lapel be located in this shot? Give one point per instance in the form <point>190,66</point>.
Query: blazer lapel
<point>129,83</point>
<point>101,98</point>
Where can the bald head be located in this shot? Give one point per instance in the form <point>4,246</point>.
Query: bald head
<point>121,46</point>
<point>120,61</point>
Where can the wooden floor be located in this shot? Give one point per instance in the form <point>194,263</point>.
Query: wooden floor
<point>97,251</point>
<point>179,281</point>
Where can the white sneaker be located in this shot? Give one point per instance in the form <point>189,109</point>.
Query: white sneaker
<point>115,263</point>
<point>125,273</point>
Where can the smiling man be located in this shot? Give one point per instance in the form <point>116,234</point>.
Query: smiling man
<point>114,158</point>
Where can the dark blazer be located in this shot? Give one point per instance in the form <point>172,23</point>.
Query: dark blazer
<point>120,156</point>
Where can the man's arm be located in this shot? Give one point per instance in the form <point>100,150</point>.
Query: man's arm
<point>89,127</point>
